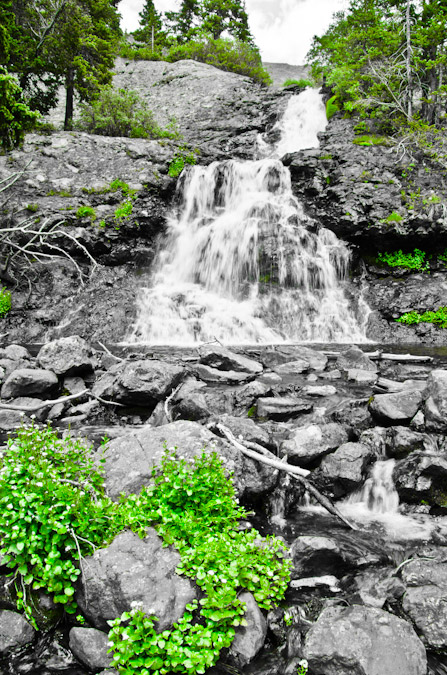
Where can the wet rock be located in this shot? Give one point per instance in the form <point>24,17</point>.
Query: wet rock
<point>362,376</point>
<point>282,407</point>
<point>141,382</point>
<point>129,459</point>
<point>401,441</point>
<point>224,359</point>
<point>8,366</point>
<point>375,439</point>
<point>90,646</point>
<point>66,356</point>
<point>208,374</point>
<point>345,468</point>
<point>308,444</point>
<point>421,475</point>
<point>26,381</point>
<point>398,407</point>
<point>246,396</point>
<point>11,419</point>
<point>118,575</point>
<point>435,408</point>
<point>189,402</point>
<point>292,368</point>
<point>15,353</point>
<point>74,385</point>
<point>376,587</point>
<point>363,641</point>
<point>319,391</point>
<point>425,600</point>
<point>315,556</point>
<point>15,631</point>
<point>245,429</point>
<point>354,358</point>
<point>249,639</point>
<point>294,354</point>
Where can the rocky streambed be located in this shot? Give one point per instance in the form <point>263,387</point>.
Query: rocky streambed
<point>369,427</point>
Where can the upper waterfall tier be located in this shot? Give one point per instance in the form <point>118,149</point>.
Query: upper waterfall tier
<point>243,263</point>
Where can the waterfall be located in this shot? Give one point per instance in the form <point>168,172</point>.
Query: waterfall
<point>242,262</point>
<point>378,493</point>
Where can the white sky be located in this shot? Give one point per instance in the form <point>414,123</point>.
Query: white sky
<point>283,29</point>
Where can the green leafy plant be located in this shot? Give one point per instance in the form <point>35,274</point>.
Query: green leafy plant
<point>394,217</point>
<point>303,667</point>
<point>439,317</point>
<point>5,302</point>
<point>332,106</point>
<point>371,139</point>
<point>16,118</point>
<point>193,506</point>
<point>443,256</point>
<point>86,212</point>
<point>412,261</point>
<point>183,156</point>
<point>32,208</point>
<point>298,83</point>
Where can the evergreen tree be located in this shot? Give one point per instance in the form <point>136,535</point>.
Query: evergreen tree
<point>151,26</point>
<point>212,17</point>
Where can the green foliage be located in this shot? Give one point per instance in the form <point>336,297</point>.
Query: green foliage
<point>443,256</point>
<point>371,139</point>
<point>183,156</point>
<point>194,508</point>
<point>439,317</point>
<point>233,56</point>
<point>394,217</point>
<point>332,106</point>
<point>15,116</point>
<point>86,212</point>
<point>32,208</point>
<point>298,83</point>
<point>121,112</point>
<point>59,193</point>
<point>209,17</point>
<point>412,261</point>
<point>252,411</point>
<point>52,510</point>
<point>123,212</point>
<point>5,302</point>
<point>302,668</point>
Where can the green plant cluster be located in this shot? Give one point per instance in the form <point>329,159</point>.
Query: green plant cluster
<point>5,302</point>
<point>298,83</point>
<point>439,317</point>
<point>193,507</point>
<point>86,212</point>
<point>121,112</point>
<point>183,156</point>
<point>412,261</point>
<point>332,106</point>
<point>16,118</point>
<point>371,139</point>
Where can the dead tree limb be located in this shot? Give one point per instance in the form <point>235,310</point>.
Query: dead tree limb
<point>62,399</point>
<point>296,473</point>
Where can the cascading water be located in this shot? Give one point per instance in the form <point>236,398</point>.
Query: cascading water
<point>243,263</point>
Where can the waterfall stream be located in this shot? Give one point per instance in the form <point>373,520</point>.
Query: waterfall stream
<point>243,263</point>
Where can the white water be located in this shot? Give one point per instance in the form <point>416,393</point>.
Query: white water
<point>242,263</point>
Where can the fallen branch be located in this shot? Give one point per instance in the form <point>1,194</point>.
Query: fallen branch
<point>52,402</point>
<point>118,358</point>
<point>168,400</point>
<point>294,471</point>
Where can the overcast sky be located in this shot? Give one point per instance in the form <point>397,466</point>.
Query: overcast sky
<point>283,29</point>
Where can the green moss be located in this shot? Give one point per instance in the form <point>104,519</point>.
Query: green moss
<point>86,212</point>
<point>298,83</point>
<point>371,139</point>
<point>412,261</point>
<point>5,302</point>
<point>439,317</point>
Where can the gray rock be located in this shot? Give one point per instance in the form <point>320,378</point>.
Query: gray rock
<point>425,600</point>
<point>354,358</point>
<point>345,468</point>
<point>401,441</point>
<point>314,555</point>
<point>420,476</point>
<point>209,374</point>
<point>292,368</point>
<point>26,381</point>
<point>245,428</point>
<point>288,354</point>
<point>435,408</point>
<point>282,407</point>
<point>363,641</point>
<point>142,382</point>
<point>74,384</point>
<point>129,459</point>
<point>90,646</point>
<point>15,631</point>
<point>66,356</point>
<point>119,574</point>
<point>376,587</point>
<point>399,407</point>
<point>362,376</point>
<point>15,353</point>
<point>307,444</point>
<point>319,391</point>
<point>249,639</point>
<point>247,395</point>
<point>224,359</point>
<point>11,419</point>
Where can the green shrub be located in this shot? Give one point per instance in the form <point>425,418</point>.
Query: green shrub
<point>118,112</point>
<point>230,55</point>
<point>183,156</point>
<point>5,302</point>
<point>439,317</point>
<point>371,139</point>
<point>443,256</point>
<point>86,212</point>
<point>394,217</point>
<point>15,116</point>
<point>412,261</point>
<point>332,106</point>
<point>298,83</point>
<point>32,208</point>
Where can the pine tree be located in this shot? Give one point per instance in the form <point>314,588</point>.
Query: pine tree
<point>212,17</point>
<point>151,26</point>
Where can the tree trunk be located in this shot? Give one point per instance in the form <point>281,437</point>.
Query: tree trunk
<point>69,87</point>
<point>409,71</point>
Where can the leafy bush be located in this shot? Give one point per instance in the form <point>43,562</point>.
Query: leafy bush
<point>194,508</point>
<point>234,56</point>
<point>332,106</point>
<point>5,302</point>
<point>182,156</point>
<point>15,116</point>
<point>298,83</point>
<point>439,317</point>
<point>118,112</point>
<point>412,261</point>
<point>86,212</point>
<point>394,217</point>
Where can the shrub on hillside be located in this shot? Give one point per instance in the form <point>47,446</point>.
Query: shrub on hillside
<point>118,112</point>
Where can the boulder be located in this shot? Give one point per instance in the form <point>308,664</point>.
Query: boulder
<point>118,575</point>
<point>142,382</point>
<point>315,556</point>
<point>354,358</point>
<point>285,354</point>
<point>308,444</point>
<point>362,376</point>
<point>249,639</point>
<point>344,469</point>
<point>425,600</point>
<point>376,587</point>
<point>319,391</point>
<point>11,419</point>
<point>224,359</point>
<point>398,408</point>
<point>292,368</point>
<point>363,641</point>
<point>15,353</point>
<point>401,441</point>
<point>282,407</point>
<point>15,631</point>
<point>27,381</point>
<point>435,407</point>
<point>245,429</point>
<point>209,374</point>
<point>420,476</point>
<point>90,647</point>
<point>66,356</point>
<point>129,459</point>
<point>190,403</point>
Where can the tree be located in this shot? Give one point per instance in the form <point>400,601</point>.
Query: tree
<point>151,26</point>
<point>212,17</point>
